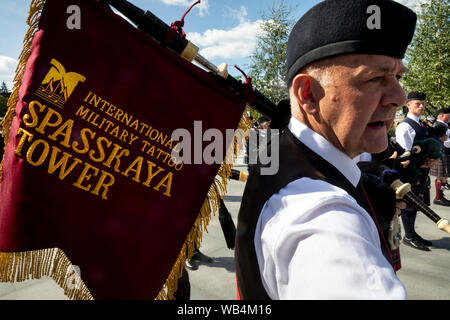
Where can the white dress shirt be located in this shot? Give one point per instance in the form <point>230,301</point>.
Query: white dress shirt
<point>365,156</point>
<point>313,240</point>
<point>405,134</point>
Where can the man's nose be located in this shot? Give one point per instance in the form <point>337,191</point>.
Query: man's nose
<point>394,95</point>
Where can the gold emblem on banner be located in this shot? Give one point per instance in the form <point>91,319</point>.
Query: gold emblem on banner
<point>58,84</point>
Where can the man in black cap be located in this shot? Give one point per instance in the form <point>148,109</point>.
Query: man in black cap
<point>410,130</point>
<point>263,123</point>
<point>257,136</point>
<point>311,231</point>
<point>440,167</point>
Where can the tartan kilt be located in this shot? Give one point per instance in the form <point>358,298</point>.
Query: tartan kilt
<point>446,162</point>
<point>440,168</point>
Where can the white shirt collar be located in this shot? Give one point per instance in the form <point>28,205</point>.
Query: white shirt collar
<point>442,122</point>
<point>326,150</point>
<point>413,117</point>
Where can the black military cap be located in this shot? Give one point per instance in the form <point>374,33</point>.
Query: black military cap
<point>443,111</point>
<point>416,95</point>
<point>335,27</point>
<point>263,119</point>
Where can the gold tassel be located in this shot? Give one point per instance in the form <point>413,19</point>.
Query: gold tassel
<point>211,204</point>
<point>52,263</point>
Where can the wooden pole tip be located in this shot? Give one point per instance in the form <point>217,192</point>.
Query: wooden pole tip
<point>222,70</point>
<point>243,176</point>
<point>443,225</point>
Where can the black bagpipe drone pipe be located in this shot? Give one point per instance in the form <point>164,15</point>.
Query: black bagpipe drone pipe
<point>420,151</point>
<point>173,38</point>
<point>403,191</point>
<point>390,172</point>
<point>429,148</point>
<point>433,111</point>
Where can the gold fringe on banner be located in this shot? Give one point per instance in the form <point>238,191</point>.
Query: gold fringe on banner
<point>212,203</point>
<point>53,263</point>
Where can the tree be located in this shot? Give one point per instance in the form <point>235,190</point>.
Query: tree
<point>3,107</point>
<point>4,94</point>
<point>3,89</point>
<point>428,57</point>
<point>268,61</point>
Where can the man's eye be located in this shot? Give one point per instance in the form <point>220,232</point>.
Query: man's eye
<point>376,79</point>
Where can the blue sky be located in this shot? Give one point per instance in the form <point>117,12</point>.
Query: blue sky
<point>225,30</point>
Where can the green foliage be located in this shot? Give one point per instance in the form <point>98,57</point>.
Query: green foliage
<point>3,107</point>
<point>3,88</point>
<point>268,61</point>
<point>4,95</point>
<point>428,57</point>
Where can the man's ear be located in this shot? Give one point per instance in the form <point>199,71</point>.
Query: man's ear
<point>408,106</point>
<point>303,92</point>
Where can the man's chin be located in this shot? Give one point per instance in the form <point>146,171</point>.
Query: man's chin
<point>376,138</point>
<point>376,144</point>
<point>377,147</point>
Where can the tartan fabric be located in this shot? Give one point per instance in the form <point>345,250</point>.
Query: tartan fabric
<point>441,167</point>
<point>438,168</point>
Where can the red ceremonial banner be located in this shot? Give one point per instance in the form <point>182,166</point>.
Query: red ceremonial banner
<point>88,167</point>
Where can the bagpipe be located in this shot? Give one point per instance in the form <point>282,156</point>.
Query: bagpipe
<point>391,173</point>
<point>429,148</point>
<point>421,151</point>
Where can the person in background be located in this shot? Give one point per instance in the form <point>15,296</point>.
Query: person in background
<point>440,167</point>
<point>257,135</point>
<point>410,130</point>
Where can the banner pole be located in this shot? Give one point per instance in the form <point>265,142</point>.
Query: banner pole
<point>159,30</point>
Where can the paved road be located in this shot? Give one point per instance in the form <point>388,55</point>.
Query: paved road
<point>426,275</point>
